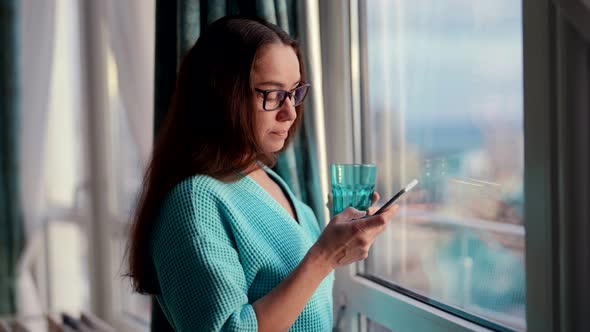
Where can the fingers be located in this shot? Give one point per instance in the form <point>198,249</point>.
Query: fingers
<point>350,240</point>
<point>376,197</point>
<point>379,220</point>
<point>349,214</point>
<point>392,209</point>
<point>371,211</point>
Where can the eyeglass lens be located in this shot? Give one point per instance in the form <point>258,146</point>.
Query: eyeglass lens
<point>274,99</point>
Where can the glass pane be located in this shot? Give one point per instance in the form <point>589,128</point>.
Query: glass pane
<point>63,155</point>
<point>445,106</point>
<point>67,258</point>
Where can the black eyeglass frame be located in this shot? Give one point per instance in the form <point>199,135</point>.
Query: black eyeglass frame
<point>288,94</point>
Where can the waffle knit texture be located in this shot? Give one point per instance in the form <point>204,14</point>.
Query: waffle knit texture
<point>218,247</point>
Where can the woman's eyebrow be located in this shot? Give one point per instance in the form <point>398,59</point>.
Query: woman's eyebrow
<point>296,84</point>
<point>279,85</point>
<point>272,83</point>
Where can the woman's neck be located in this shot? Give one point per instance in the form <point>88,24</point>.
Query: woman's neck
<point>256,167</point>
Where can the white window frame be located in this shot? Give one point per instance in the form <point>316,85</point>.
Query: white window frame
<point>356,297</point>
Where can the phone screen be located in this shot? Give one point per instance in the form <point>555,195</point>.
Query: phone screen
<point>397,196</point>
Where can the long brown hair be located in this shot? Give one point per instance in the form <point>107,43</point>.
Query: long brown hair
<point>209,128</point>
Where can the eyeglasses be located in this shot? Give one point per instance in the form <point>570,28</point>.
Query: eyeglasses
<point>274,99</point>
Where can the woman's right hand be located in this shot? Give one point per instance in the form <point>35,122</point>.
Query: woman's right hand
<point>345,240</point>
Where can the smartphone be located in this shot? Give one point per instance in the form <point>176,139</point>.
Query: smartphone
<point>397,196</point>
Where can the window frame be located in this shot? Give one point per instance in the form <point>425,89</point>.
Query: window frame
<point>355,296</point>
<point>540,166</point>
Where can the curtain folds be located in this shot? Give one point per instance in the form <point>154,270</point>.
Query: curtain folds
<point>129,22</point>
<point>37,40</point>
<point>11,215</point>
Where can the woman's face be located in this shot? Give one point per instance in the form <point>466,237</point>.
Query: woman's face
<point>276,67</point>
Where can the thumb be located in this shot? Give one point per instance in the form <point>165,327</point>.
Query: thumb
<point>378,221</point>
<point>349,214</point>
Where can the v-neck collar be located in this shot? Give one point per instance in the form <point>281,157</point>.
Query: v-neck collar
<point>272,201</point>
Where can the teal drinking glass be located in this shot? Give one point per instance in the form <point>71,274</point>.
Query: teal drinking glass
<point>352,186</point>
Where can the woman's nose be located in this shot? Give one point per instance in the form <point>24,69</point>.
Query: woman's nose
<point>287,111</point>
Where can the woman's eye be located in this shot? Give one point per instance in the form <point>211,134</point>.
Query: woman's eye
<point>272,96</point>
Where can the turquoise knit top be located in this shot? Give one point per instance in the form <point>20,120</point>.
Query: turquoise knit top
<point>218,247</point>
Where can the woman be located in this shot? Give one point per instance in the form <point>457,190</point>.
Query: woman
<point>218,237</point>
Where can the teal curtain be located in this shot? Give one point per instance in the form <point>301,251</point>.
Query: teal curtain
<point>178,25</point>
<point>11,216</point>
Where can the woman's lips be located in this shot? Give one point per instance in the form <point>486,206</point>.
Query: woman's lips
<point>282,133</point>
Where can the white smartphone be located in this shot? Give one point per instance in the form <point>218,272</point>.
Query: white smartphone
<point>397,196</point>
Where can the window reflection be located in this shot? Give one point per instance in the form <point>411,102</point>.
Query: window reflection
<point>444,89</point>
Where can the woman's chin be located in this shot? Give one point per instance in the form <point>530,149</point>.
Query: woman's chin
<point>275,147</point>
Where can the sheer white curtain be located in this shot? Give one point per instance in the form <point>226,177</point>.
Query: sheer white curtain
<point>36,49</point>
<point>130,30</point>
<point>131,27</point>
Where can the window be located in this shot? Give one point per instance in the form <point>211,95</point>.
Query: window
<point>69,274</point>
<point>443,104</point>
<point>67,255</point>
<point>435,93</point>
<point>61,260</point>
